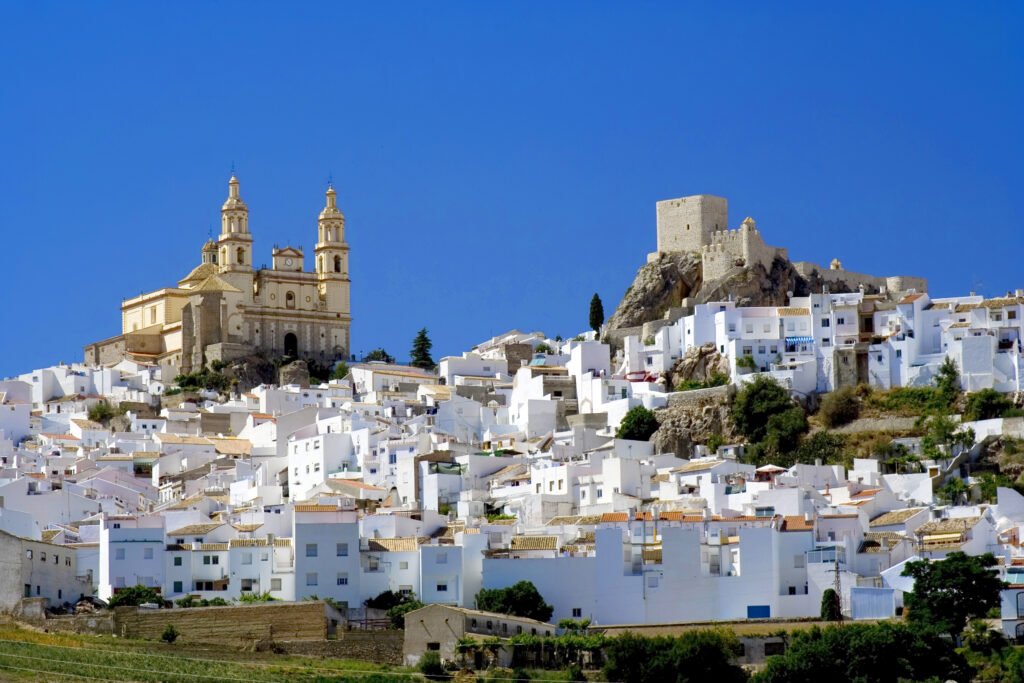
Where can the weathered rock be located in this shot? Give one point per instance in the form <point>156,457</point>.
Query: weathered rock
<point>120,423</point>
<point>657,287</point>
<point>296,372</point>
<point>698,364</point>
<point>682,426</point>
<point>250,372</point>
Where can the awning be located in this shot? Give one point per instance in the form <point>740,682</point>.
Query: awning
<point>799,340</point>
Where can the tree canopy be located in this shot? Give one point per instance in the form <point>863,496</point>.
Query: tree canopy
<point>521,599</point>
<point>596,313</point>
<point>698,655</point>
<point>134,596</point>
<point>638,424</point>
<point>420,352</point>
<point>947,593</point>
<point>379,354</point>
<point>882,653</point>
<point>755,404</point>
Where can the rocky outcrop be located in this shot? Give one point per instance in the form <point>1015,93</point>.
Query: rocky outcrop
<point>698,364</point>
<point>693,422</point>
<point>250,372</point>
<point>296,372</point>
<point>657,287</point>
<point>664,283</point>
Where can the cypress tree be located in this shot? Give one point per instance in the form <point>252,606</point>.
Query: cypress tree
<point>420,352</point>
<point>596,313</point>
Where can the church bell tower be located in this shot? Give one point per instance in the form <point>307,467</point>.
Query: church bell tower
<point>234,246</point>
<point>331,254</point>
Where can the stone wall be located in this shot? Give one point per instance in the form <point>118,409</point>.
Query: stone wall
<point>686,223</point>
<point>285,621</point>
<point>698,398</point>
<point>851,280</point>
<point>728,248</point>
<point>105,352</point>
<point>382,647</point>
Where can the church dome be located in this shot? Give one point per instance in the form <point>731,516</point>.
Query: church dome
<point>332,210</point>
<point>198,274</point>
<point>210,246</point>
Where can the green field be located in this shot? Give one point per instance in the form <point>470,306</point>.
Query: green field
<point>33,656</point>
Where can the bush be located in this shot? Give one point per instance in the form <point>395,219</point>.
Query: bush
<point>170,634</point>
<point>542,348</point>
<point>521,599</point>
<point>698,655</point>
<point>385,600</point>
<point>134,596</point>
<point>340,370</point>
<point>397,613</point>
<point>839,407</point>
<point>986,404</point>
<point>755,405</point>
<point>639,424</point>
<point>830,448</point>
<point>886,651</point>
<point>431,668</point>
<point>102,412</point>
<point>204,379</point>
<point>717,379</point>
<point>574,672</point>
<point>746,361</point>
<point>256,597</point>
<point>830,607</point>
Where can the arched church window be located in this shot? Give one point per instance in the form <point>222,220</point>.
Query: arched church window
<point>289,300</point>
<point>241,255</point>
<point>337,264</point>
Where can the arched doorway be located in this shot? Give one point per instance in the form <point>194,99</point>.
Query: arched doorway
<point>291,345</point>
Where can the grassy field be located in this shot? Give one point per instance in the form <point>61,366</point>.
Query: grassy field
<point>27,655</point>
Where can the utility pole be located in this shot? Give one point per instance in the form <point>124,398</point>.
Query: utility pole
<point>838,586</point>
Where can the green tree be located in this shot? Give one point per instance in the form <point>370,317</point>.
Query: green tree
<point>170,634</point>
<point>134,596</point>
<point>379,354</point>
<point>697,655</point>
<point>102,412</point>
<point>638,424</point>
<point>947,593</point>
<point>596,313</point>
<point>947,381</point>
<point>986,404</point>
<point>954,491</point>
<point>542,348</point>
<point>783,432</point>
<point>827,446</point>
<point>830,607</point>
<point>756,403</point>
<point>397,613</point>
<point>385,600</point>
<point>839,407</point>
<point>340,370</point>
<point>521,599</point>
<point>420,352</point>
<point>886,652</point>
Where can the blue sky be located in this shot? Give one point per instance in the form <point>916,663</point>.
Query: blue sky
<point>497,163</point>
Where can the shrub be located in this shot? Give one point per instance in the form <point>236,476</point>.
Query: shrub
<point>839,407</point>
<point>574,672</point>
<point>746,361</point>
<point>756,403</point>
<point>134,596</point>
<point>256,597</point>
<point>340,370</point>
<point>830,608</point>
<point>431,668</point>
<point>170,634</point>
<point>986,404</point>
<point>542,348</point>
<point>385,600</point>
<point>639,424</point>
<point>521,599</point>
<point>102,412</point>
<point>698,655</point>
<point>397,613</point>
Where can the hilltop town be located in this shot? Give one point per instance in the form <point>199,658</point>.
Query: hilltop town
<point>622,472</point>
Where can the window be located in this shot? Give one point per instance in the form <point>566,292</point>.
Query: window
<point>118,554</point>
<point>749,328</point>
<point>247,585</point>
<point>289,299</point>
<point>337,264</point>
<point>442,557</point>
<point>392,458</point>
<point>374,563</point>
<point>177,587</point>
<point>577,612</point>
<point>147,553</point>
<point>241,255</point>
<point>177,561</point>
<point>825,322</point>
<point>840,320</point>
<point>490,626</point>
<point>799,561</point>
<point>342,579</point>
<point>774,348</point>
<point>760,349</point>
<point>442,588</point>
<point>825,341</point>
<point>748,350</point>
<point>600,493</point>
<point>311,550</point>
<point>433,646</point>
<point>732,327</point>
<point>311,578</point>
<point>1011,315</point>
<point>28,554</point>
<point>246,558</point>
<point>899,353</point>
<point>403,565</point>
<point>275,584</point>
<point>341,549</point>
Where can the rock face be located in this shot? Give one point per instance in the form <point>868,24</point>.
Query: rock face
<point>250,372</point>
<point>295,372</point>
<point>699,363</point>
<point>658,286</point>
<point>663,284</point>
<point>694,422</point>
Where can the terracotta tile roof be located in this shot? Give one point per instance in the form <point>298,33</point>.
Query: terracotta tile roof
<point>796,523</point>
<point>211,546</point>
<point>195,529</point>
<point>794,311</point>
<point>533,543</point>
<point>696,466</point>
<point>246,527</point>
<point>910,298</point>
<point>947,526</point>
<point>61,437</point>
<point>226,446</point>
<point>317,508</point>
<point>393,545</point>
<point>866,493</point>
<point>248,542</point>
<point>615,517</point>
<point>88,424</point>
<point>894,517</point>
<point>182,439</point>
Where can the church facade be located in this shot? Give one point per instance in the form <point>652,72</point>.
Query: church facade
<point>224,309</point>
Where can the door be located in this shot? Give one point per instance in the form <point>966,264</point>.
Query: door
<point>291,345</point>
